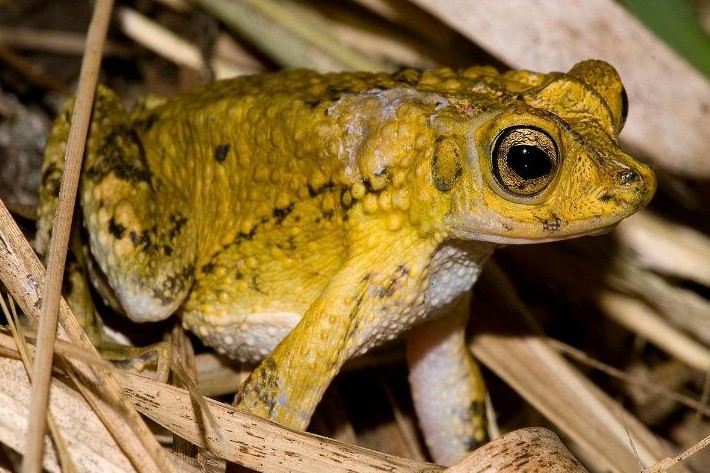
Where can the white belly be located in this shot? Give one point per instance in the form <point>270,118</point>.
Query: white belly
<point>454,268</point>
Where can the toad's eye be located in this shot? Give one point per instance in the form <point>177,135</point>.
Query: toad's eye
<point>525,160</point>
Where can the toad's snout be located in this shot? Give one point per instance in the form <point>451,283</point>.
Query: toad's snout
<point>634,186</point>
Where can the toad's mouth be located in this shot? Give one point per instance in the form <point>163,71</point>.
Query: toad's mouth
<point>538,237</point>
<point>568,236</point>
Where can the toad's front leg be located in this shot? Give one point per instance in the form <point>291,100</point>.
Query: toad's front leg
<point>447,387</point>
<point>348,317</point>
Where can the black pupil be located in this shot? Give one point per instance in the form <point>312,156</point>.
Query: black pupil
<point>529,162</point>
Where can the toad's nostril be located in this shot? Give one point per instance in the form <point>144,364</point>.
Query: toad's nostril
<point>627,177</point>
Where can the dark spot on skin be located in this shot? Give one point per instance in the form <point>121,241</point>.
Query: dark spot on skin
<point>262,381</point>
<point>143,239</point>
<point>355,320</point>
<point>346,203</point>
<point>174,284</point>
<point>208,268</point>
<point>327,187</point>
<point>477,413</point>
<point>371,190</point>
<point>220,152</point>
<point>239,276</point>
<point>477,409</point>
<point>146,123</point>
<point>177,223</point>
<point>167,250</point>
<point>609,197</point>
<point>394,283</point>
<point>289,245</point>
<point>52,179</point>
<point>116,229</point>
<point>313,103</point>
<point>551,225</point>
<point>281,214</point>
<point>53,186</point>
<point>120,153</point>
<point>245,236</point>
<point>514,98</point>
<point>254,284</point>
<point>331,187</point>
<point>385,292</point>
<point>71,258</point>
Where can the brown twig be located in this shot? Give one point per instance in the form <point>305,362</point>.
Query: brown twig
<point>32,461</point>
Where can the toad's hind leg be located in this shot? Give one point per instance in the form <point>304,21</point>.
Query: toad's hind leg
<point>75,288</point>
<point>143,250</point>
<point>447,387</point>
<point>77,292</point>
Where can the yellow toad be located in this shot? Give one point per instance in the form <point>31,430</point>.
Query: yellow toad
<point>302,219</point>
